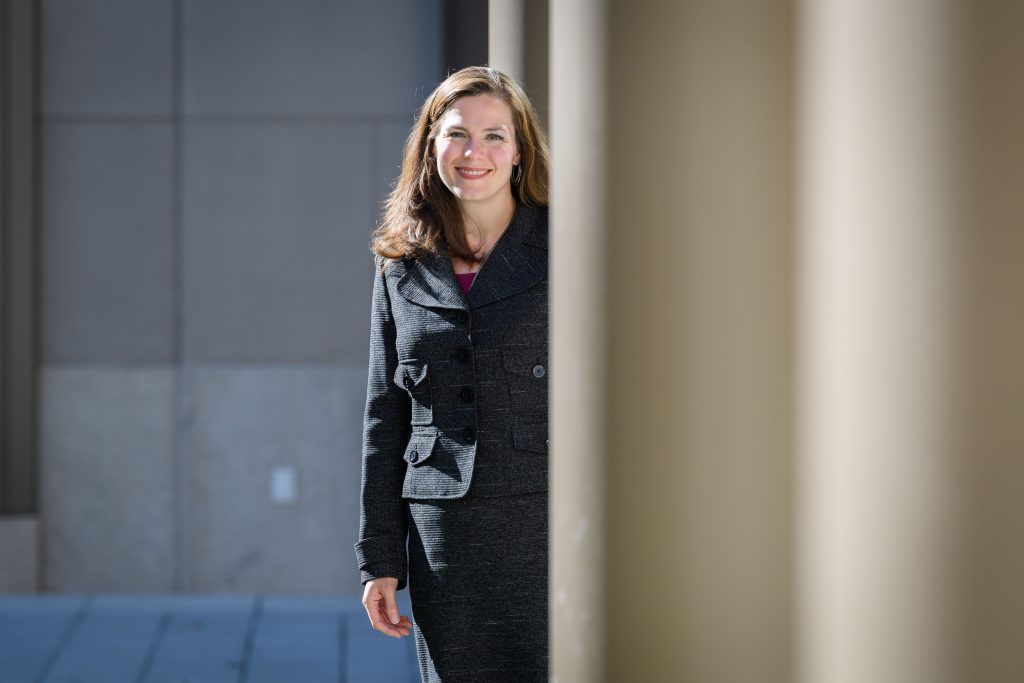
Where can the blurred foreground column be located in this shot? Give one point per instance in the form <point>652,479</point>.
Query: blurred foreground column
<point>989,397</point>
<point>672,309</point>
<point>911,391</point>
<point>671,234</point>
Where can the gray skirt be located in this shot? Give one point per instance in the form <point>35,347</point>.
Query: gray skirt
<point>478,580</point>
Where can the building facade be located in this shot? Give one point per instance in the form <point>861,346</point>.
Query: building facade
<point>207,178</point>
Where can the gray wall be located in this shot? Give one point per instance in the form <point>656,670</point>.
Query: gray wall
<point>211,172</point>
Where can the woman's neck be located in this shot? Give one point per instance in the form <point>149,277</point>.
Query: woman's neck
<point>484,225</point>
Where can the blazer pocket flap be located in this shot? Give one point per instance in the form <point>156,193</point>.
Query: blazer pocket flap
<point>530,438</point>
<point>420,448</point>
<point>410,375</point>
<point>523,360</point>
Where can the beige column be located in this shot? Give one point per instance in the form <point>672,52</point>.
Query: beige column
<point>580,233</point>
<point>682,530</point>
<point>671,332</point>
<point>879,215</point>
<point>517,37</point>
<point>912,378</point>
<point>989,393</point>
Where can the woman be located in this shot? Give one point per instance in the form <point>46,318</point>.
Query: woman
<point>454,488</point>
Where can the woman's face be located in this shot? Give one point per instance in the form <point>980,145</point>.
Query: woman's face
<point>476,148</point>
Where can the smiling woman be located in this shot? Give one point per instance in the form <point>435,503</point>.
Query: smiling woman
<point>454,487</point>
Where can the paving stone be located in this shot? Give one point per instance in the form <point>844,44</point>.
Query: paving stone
<point>109,646</point>
<point>30,630</point>
<point>203,641</point>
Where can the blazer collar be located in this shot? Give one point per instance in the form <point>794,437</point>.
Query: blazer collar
<point>517,262</point>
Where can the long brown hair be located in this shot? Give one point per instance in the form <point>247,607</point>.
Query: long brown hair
<point>421,214</point>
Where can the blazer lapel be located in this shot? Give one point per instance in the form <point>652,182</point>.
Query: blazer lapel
<point>519,260</point>
<point>431,282</point>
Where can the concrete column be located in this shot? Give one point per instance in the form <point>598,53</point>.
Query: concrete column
<point>19,479</point>
<point>911,254</point>
<point>18,256</point>
<point>580,234</point>
<point>517,37</point>
<point>671,129</point>
<point>463,34</point>
<point>989,382</point>
<point>878,244</point>
<point>682,531</point>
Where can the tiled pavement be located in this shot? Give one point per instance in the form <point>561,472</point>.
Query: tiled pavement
<point>196,639</point>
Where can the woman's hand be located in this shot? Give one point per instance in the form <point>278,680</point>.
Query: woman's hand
<point>379,601</point>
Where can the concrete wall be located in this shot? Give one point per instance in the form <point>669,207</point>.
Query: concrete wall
<point>19,553</point>
<point>211,172</point>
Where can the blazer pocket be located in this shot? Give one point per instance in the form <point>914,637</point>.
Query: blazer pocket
<point>413,376</point>
<point>420,448</point>
<point>530,438</point>
<point>526,369</point>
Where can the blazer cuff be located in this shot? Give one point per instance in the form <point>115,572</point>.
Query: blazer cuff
<point>382,571</point>
<point>382,556</point>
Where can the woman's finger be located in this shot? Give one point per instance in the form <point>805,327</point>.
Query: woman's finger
<point>402,628</point>
<point>380,621</point>
<point>390,606</point>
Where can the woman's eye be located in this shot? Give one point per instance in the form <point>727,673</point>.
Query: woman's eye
<point>495,136</point>
<point>456,134</point>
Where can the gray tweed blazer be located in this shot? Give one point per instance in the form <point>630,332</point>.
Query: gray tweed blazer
<point>456,399</point>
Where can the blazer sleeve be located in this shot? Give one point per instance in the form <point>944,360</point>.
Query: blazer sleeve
<point>381,548</point>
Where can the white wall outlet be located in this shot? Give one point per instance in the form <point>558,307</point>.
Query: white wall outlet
<point>284,485</point>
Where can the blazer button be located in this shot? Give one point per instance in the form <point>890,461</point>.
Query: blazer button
<point>466,395</point>
<point>462,355</point>
<point>462,317</point>
<point>414,456</point>
<point>538,371</point>
<point>468,434</point>
<point>407,382</point>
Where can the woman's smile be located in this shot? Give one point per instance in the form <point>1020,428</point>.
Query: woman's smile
<point>471,173</point>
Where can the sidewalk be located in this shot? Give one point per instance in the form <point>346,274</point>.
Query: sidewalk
<point>197,639</point>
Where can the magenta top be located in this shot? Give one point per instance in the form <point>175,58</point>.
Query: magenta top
<point>465,281</point>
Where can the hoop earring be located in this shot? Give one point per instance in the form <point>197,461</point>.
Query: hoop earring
<point>517,174</point>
